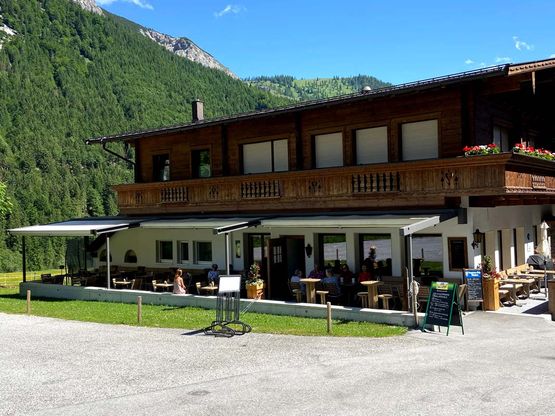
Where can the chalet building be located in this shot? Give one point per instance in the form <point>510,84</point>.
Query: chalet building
<point>324,180</point>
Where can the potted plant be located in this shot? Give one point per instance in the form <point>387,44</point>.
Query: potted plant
<point>490,285</point>
<point>254,283</point>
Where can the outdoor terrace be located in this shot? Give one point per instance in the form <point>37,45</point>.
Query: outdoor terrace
<point>502,179</point>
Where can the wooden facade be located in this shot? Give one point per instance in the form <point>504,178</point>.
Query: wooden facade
<point>467,108</point>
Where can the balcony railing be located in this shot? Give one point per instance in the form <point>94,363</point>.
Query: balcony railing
<point>419,183</point>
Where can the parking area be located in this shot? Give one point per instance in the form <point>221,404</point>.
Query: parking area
<point>503,364</point>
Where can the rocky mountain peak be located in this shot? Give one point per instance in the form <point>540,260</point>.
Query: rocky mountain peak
<point>89,5</point>
<point>187,49</point>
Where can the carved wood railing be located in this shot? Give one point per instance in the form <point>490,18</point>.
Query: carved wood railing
<point>418,183</point>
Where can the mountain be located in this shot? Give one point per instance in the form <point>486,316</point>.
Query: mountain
<point>312,89</point>
<point>180,46</point>
<point>72,71</point>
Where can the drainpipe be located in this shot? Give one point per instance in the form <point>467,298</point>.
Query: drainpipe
<point>108,260</point>
<point>24,259</point>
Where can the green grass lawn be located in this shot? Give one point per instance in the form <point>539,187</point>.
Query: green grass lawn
<point>182,317</point>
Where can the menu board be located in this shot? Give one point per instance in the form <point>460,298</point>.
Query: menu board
<point>440,303</point>
<point>229,284</point>
<point>473,280</point>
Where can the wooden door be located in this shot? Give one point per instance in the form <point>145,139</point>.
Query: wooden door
<point>277,269</point>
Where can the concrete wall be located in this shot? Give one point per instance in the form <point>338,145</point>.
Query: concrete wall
<point>209,302</point>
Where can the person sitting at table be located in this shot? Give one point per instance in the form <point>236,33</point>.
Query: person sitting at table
<point>317,273</point>
<point>346,274</point>
<point>331,278</point>
<point>178,284</point>
<point>213,275</point>
<point>364,274</point>
<point>296,278</point>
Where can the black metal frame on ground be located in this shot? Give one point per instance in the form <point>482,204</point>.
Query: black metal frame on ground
<point>227,323</point>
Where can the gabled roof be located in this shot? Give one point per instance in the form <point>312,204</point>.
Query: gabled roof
<point>494,71</point>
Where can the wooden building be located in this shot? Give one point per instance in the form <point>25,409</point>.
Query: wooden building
<point>288,185</point>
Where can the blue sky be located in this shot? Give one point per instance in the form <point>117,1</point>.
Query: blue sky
<point>396,41</point>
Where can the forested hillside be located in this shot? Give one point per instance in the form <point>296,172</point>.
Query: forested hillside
<point>66,75</point>
<point>311,89</point>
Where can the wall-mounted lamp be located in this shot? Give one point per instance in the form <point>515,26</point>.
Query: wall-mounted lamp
<point>477,239</point>
<point>308,250</point>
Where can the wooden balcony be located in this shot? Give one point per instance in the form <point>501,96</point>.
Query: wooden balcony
<point>492,179</point>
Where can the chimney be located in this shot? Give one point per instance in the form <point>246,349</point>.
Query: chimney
<point>198,110</point>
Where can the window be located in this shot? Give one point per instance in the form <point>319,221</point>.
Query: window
<point>203,252</point>
<point>161,167</point>
<point>130,257</point>
<point>103,256</point>
<point>182,252</point>
<point>332,247</point>
<point>382,242</point>
<point>427,253</point>
<point>164,251</point>
<point>420,140</point>
<point>269,156</point>
<point>458,258</point>
<point>371,145</point>
<point>202,167</point>
<point>501,137</point>
<point>328,150</point>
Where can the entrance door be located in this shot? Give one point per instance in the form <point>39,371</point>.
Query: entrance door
<point>277,276</point>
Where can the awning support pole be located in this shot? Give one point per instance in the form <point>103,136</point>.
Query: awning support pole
<point>108,260</point>
<point>227,265</point>
<point>24,259</point>
<point>410,277</point>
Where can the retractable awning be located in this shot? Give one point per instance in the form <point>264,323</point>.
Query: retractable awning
<point>218,225</point>
<point>407,224</point>
<point>77,228</point>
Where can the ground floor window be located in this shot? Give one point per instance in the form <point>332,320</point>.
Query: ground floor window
<point>458,258</point>
<point>164,251</point>
<point>382,242</point>
<point>427,253</point>
<point>203,252</point>
<point>130,257</point>
<point>182,252</point>
<point>332,248</point>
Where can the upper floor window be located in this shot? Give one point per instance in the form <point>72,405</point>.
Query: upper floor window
<point>130,257</point>
<point>328,150</point>
<point>161,167</point>
<point>501,137</point>
<point>420,140</point>
<point>371,145</point>
<point>202,167</point>
<point>269,156</point>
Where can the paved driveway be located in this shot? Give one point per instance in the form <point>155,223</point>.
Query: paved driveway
<point>503,365</point>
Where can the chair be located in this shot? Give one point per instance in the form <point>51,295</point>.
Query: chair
<point>46,278</point>
<point>76,280</point>
<point>322,294</point>
<point>334,292</point>
<point>385,293</point>
<point>198,285</point>
<point>154,285</point>
<point>136,284</point>
<point>462,292</point>
<point>363,296</point>
<point>423,295</point>
<point>295,288</point>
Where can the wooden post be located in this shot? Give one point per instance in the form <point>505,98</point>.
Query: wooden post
<point>28,301</point>
<point>329,317</point>
<point>139,309</point>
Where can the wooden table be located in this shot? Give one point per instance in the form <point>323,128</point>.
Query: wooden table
<point>372,286</point>
<point>210,289</point>
<point>514,285</point>
<point>123,283</point>
<point>523,281</point>
<point>310,289</point>
<point>167,286</point>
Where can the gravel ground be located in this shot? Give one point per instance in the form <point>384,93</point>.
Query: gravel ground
<point>502,365</point>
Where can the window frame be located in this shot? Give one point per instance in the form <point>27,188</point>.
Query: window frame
<point>428,117</point>
<point>180,260</point>
<point>271,142</point>
<point>355,144</point>
<point>196,251</point>
<point>464,243</point>
<point>157,169</point>
<point>159,259</point>
<point>196,164</point>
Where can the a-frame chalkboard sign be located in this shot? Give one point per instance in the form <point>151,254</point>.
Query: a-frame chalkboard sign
<point>443,306</point>
<point>473,280</point>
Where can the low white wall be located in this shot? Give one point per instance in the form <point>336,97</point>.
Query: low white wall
<point>209,302</point>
